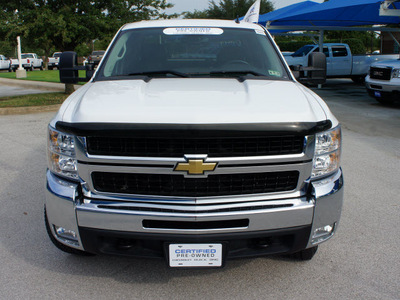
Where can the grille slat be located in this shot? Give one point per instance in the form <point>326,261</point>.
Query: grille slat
<point>213,146</point>
<point>381,73</point>
<point>180,186</point>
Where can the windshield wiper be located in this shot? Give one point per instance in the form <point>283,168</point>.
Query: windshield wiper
<point>240,75</point>
<point>149,75</point>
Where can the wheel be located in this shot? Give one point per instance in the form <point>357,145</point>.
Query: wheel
<point>41,67</point>
<point>385,100</point>
<point>60,246</point>
<point>358,79</point>
<point>50,68</point>
<point>306,254</point>
<point>31,68</point>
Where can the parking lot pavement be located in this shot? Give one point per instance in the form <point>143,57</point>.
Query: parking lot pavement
<point>6,91</point>
<point>360,262</point>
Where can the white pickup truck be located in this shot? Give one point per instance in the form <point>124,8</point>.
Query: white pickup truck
<point>340,61</point>
<point>53,60</point>
<point>29,61</point>
<point>5,63</point>
<point>192,142</point>
<point>383,81</point>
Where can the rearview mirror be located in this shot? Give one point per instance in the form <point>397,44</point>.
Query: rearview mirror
<point>69,69</point>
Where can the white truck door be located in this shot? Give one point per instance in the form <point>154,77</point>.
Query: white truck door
<point>341,61</point>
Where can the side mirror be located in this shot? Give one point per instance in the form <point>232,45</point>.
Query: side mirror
<point>315,72</point>
<point>69,69</point>
<point>67,65</point>
<point>317,63</point>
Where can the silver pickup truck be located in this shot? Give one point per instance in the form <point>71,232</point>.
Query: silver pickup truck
<point>383,81</point>
<point>192,142</point>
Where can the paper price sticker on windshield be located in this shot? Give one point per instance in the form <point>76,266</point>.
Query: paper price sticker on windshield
<point>193,31</point>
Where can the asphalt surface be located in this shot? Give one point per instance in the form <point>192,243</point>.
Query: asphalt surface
<point>6,91</point>
<point>360,262</point>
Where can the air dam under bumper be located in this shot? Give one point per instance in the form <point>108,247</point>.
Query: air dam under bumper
<point>270,230</point>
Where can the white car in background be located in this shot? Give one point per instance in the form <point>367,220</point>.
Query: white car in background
<point>54,60</point>
<point>29,61</point>
<point>5,63</point>
<point>383,81</point>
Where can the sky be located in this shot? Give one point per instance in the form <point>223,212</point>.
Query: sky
<point>191,5</point>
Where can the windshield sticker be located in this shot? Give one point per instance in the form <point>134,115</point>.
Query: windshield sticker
<point>274,73</point>
<point>193,30</point>
<point>259,31</point>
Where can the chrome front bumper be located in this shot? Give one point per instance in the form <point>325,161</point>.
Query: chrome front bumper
<point>383,85</point>
<point>66,208</point>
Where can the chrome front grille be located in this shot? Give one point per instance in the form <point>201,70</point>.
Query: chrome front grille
<point>239,183</point>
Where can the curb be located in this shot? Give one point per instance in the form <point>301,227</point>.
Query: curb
<point>40,85</point>
<point>28,109</point>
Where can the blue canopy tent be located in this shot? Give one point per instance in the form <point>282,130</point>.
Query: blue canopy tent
<point>334,13</point>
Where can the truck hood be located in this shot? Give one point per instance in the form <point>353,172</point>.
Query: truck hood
<point>192,101</point>
<point>395,63</point>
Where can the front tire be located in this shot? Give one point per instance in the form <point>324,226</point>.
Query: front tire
<point>358,79</point>
<point>41,67</point>
<point>61,246</point>
<point>385,100</point>
<point>306,254</point>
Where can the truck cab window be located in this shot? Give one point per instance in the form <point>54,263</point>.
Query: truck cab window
<point>339,51</point>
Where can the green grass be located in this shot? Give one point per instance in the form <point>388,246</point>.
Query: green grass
<point>33,100</point>
<point>47,76</point>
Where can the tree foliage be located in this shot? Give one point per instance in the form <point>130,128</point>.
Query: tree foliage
<point>63,25</point>
<point>228,9</point>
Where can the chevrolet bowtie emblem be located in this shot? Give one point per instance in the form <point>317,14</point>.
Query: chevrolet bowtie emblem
<point>195,167</point>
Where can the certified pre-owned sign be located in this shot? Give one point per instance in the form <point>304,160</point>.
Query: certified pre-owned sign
<point>195,255</point>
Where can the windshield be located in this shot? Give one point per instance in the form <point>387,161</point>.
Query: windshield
<point>192,52</point>
<point>303,51</point>
<point>57,54</point>
<point>98,52</point>
<point>27,56</point>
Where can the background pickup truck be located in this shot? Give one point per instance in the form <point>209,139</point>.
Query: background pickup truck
<point>96,56</point>
<point>383,81</point>
<point>53,60</point>
<point>5,63</point>
<point>340,61</point>
<point>29,61</point>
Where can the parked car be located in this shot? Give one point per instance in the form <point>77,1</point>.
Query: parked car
<point>383,81</point>
<point>53,60</point>
<point>340,61</point>
<point>5,63</point>
<point>96,57</point>
<point>29,61</point>
<point>165,153</point>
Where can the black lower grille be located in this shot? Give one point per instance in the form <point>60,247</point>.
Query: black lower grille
<point>178,185</point>
<point>381,73</point>
<point>212,146</point>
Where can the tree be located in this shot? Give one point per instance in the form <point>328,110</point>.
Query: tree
<point>63,25</point>
<point>228,9</point>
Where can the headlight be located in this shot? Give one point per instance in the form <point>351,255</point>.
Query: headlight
<point>327,152</point>
<point>396,73</point>
<point>61,154</point>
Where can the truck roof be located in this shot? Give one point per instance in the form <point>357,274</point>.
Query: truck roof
<point>191,23</point>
